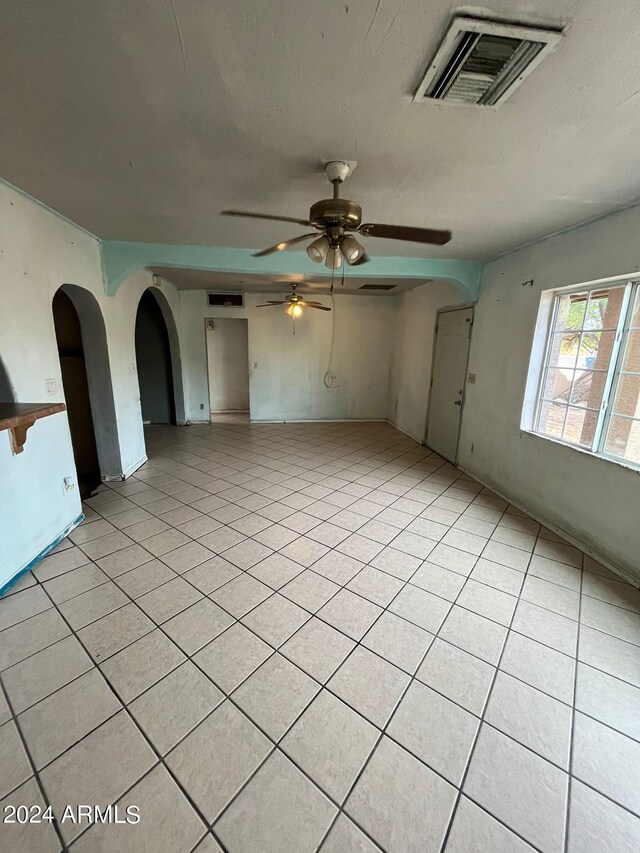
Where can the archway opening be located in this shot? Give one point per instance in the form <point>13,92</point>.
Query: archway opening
<point>155,363</point>
<point>7,394</point>
<point>76,392</point>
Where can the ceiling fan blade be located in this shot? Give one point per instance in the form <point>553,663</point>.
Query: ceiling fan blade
<point>406,232</point>
<point>307,302</point>
<point>317,307</point>
<point>279,247</point>
<point>265,216</point>
<point>269,304</point>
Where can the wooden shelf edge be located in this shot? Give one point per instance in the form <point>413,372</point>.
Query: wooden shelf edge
<point>18,418</point>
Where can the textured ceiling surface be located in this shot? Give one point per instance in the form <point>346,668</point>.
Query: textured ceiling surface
<point>190,279</point>
<point>142,120</point>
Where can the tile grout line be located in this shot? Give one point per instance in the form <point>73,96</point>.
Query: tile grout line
<point>343,586</point>
<point>34,772</point>
<point>278,592</point>
<point>125,707</point>
<point>476,736</point>
<point>567,829</point>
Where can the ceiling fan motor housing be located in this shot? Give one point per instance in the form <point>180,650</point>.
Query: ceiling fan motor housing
<point>332,212</point>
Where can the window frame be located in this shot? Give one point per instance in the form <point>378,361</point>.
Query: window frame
<point>548,316</point>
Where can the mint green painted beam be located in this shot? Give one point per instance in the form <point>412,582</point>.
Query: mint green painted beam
<point>121,259</point>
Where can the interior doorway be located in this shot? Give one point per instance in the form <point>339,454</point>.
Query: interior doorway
<point>76,392</point>
<point>446,399</point>
<point>153,358</point>
<point>228,367</point>
<point>6,388</point>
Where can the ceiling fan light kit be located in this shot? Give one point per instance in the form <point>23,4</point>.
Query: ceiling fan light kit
<point>338,220</point>
<point>294,303</point>
<point>317,250</point>
<point>351,249</point>
<point>333,261</point>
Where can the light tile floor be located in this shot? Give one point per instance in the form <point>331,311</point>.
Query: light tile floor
<point>299,637</point>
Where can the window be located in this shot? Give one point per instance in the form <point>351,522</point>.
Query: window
<point>589,394</point>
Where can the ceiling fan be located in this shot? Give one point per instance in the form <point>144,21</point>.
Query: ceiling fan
<point>338,220</point>
<point>294,303</point>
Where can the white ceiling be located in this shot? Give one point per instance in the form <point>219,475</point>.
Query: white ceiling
<point>141,126</point>
<point>190,279</point>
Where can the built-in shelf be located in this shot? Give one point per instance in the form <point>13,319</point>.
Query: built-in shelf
<point>19,417</point>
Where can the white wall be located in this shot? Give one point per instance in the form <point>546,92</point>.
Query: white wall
<point>287,382</point>
<point>42,251</point>
<point>592,500</point>
<point>415,321</point>
<point>228,365</point>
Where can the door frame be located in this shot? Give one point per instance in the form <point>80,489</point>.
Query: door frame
<point>213,320</point>
<point>465,306</point>
<point>98,368</point>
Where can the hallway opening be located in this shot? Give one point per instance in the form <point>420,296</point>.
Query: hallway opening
<point>153,357</point>
<point>228,368</point>
<point>76,391</point>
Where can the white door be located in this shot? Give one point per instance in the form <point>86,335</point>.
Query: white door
<point>453,335</point>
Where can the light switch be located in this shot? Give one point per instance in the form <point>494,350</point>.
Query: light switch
<point>255,365</point>
<point>51,386</point>
<point>471,379</point>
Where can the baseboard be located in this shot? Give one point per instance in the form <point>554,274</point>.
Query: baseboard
<point>600,558</point>
<point>318,421</point>
<point>403,431</point>
<point>133,468</point>
<point>34,562</point>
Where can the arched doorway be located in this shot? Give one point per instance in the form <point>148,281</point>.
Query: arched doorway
<point>76,392</point>
<point>7,394</point>
<point>86,379</point>
<point>158,361</point>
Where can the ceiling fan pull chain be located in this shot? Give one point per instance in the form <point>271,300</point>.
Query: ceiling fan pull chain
<point>329,378</point>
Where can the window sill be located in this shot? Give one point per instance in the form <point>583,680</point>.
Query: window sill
<point>621,463</point>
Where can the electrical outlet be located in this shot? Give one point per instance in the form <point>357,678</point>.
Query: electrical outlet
<point>51,385</point>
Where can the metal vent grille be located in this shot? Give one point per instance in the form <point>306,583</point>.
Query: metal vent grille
<point>226,300</point>
<point>377,287</point>
<point>483,62</point>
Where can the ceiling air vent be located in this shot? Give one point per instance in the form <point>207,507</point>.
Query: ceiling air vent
<point>226,300</point>
<point>482,62</point>
<point>376,287</point>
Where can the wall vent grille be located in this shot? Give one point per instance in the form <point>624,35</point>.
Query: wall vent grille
<point>226,300</point>
<point>482,62</point>
<point>377,287</point>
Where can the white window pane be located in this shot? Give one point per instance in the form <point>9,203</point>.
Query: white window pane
<point>571,311</point>
<point>564,350</point>
<point>623,439</point>
<point>558,385</point>
<point>594,350</point>
<point>580,426</point>
<point>603,310</point>
<point>631,360</point>
<point>587,388</point>
<point>635,317</point>
<point>551,420</point>
<point>627,400</point>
